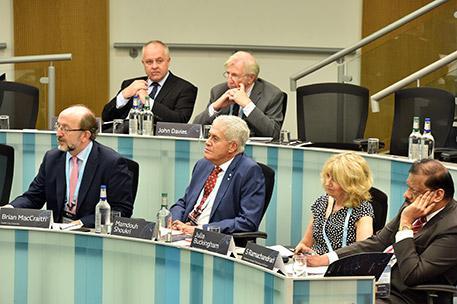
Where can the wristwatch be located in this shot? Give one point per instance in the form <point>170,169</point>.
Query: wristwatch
<point>405,227</point>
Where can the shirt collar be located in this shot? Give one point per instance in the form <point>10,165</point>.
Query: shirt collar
<point>161,82</point>
<point>84,154</point>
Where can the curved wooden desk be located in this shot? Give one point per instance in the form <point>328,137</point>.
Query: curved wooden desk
<point>166,165</point>
<point>46,266</point>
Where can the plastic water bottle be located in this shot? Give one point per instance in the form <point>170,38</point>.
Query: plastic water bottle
<point>414,141</point>
<point>427,141</point>
<point>164,221</point>
<point>148,118</point>
<point>134,117</point>
<point>102,213</point>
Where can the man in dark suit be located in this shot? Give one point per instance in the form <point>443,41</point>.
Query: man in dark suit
<point>172,98</point>
<point>257,101</point>
<point>227,188</point>
<point>423,235</point>
<point>70,176</point>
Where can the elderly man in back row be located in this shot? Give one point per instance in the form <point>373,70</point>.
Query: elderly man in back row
<point>227,188</point>
<point>255,100</point>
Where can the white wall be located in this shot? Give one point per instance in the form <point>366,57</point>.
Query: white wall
<point>6,35</point>
<point>304,23</point>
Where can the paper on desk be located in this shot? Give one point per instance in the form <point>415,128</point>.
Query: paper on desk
<point>66,226</point>
<point>314,271</point>
<point>260,139</point>
<point>164,231</point>
<point>283,251</point>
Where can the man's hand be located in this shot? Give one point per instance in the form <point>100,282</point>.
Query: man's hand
<point>223,101</point>
<point>184,228</point>
<point>422,206</point>
<point>239,96</point>
<point>134,87</point>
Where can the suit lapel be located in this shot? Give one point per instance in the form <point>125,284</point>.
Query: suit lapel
<point>226,181</point>
<point>256,92</point>
<point>88,174</point>
<point>61,184</point>
<point>166,89</point>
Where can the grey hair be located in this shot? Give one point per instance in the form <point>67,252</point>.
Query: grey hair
<point>248,60</point>
<point>235,129</point>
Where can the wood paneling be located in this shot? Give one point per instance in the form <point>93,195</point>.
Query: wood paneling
<point>403,51</point>
<point>66,26</point>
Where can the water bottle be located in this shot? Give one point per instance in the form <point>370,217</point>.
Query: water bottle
<point>102,213</point>
<point>134,117</point>
<point>427,141</point>
<point>414,141</point>
<point>148,118</point>
<point>164,221</point>
<point>140,117</point>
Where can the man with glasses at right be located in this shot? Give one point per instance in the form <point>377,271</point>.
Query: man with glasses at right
<point>423,235</point>
<point>255,100</point>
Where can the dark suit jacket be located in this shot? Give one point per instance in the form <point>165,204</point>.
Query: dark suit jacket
<point>428,258</point>
<point>104,166</point>
<point>239,201</point>
<point>174,103</point>
<point>267,117</point>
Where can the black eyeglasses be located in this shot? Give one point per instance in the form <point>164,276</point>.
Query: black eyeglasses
<point>65,130</point>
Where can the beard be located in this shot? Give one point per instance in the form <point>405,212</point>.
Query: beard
<point>64,147</point>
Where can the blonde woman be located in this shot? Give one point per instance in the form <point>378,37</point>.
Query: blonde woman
<point>344,214</point>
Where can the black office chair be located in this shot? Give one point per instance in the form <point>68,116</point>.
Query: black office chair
<point>437,294</point>
<point>332,115</point>
<point>6,172</point>
<point>437,104</point>
<point>242,238</point>
<point>379,203</point>
<point>20,102</point>
<point>134,169</point>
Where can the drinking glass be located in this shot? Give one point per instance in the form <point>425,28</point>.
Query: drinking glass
<point>373,145</point>
<point>118,126</point>
<point>299,265</point>
<point>4,122</point>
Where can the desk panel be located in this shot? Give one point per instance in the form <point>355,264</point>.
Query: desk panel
<point>44,266</point>
<point>166,165</point>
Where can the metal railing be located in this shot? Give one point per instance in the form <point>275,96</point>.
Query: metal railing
<point>341,54</point>
<point>135,47</point>
<point>50,80</point>
<point>409,79</point>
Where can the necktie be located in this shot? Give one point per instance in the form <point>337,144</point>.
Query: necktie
<point>155,87</point>
<point>235,109</point>
<point>418,224</point>
<point>207,189</point>
<point>71,204</point>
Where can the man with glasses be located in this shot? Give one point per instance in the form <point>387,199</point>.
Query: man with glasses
<point>172,98</point>
<point>255,100</point>
<point>70,176</point>
<point>227,189</point>
<point>423,235</point>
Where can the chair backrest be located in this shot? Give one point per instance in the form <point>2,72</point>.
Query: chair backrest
<point>6,172</point>
<point>20,102</point>
<point>437,104</point>
<point>134,168</point>
<point>331,112</point>
<point>269,175</point>
<point>284,106</point>
<point>379,203</point>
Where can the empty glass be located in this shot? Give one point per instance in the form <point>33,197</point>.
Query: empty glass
<point>4,122</point>
<point>118,126</point>
<point>299,265</point>
<point>373,145</point>
<point>214,228</point>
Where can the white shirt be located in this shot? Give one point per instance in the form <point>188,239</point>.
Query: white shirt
<point>208,206</point>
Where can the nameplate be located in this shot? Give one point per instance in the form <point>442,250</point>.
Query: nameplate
<point>178,129</point>
<point>263,256</point>
<point>134,228</point>
<point>25,217</point>
<point>212,241</point>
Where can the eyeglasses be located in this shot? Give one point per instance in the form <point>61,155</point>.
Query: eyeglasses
<point>235,77</point>
<point>65,130</point>
<point>416,193</point>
